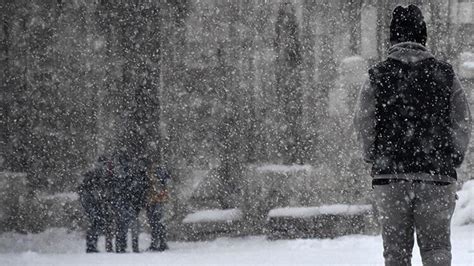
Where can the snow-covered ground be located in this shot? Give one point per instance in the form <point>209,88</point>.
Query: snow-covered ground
<point>58,247</point>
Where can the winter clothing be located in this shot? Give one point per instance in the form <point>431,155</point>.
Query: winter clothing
<point>410,58</point>
<point>95,197</point>
<point>406,206</point>
<point>95,216</point>
<point>157,196</point>
<point>407,25</point>
<point>130,199</point>
<point>127,218</point>
<point>414,124</point>
<point>158,230</point>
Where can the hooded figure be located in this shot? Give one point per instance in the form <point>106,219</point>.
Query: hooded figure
<point>414,124</point>
<point>96,197</point>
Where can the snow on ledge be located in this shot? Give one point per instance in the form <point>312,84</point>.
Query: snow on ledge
<point>337,209</point>
<point>283,168</point>
<point>214,215</point>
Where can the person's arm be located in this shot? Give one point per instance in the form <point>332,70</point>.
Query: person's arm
<point>364,120</point>
<point>461,121</point>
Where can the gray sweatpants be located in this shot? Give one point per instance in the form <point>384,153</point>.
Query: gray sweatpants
<point>406,207</point>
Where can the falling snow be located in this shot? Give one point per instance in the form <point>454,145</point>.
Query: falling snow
<point>247,105</point>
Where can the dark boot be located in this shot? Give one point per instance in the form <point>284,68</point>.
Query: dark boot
<point>163,246</point>
<point>92,250</point>
<point>135,246</point>
<point>158,244</point>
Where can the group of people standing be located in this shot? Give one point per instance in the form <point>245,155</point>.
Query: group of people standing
<point>114,192</point>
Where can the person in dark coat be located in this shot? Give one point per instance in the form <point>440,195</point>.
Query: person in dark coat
<point>95,197</point>
<point>157,196</point>
<point>414,124</point>
<point>130,199</point>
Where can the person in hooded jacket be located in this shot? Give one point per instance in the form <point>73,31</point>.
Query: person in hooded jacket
<point>95,197</point>
<point>414,124</point>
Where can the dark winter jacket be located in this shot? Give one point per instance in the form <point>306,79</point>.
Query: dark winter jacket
<point>96,183</point>
<point>413,118</point>
<point>132,185</point>
<point>96,194</point>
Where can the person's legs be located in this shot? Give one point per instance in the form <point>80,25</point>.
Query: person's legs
<point>154,216</point>
<point>135,233</point>
<point>109,230</point>
<point>96,226</point>
<point>394,207</point>
<point>433,209</point>
<point>123,223</point>
<point>158,229</point>
<point>109,246</point>
<point>161,229</point>
<point>162,236</point>
<point>93,214</point>
<point>92,236</point>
